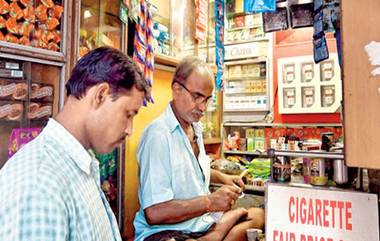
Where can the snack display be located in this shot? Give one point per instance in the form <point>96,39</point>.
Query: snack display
<point>42,92</point>
<point>13,91</point>
<point>19,137</point>
<point>37,111</point>
<point>11,111</point>
<point>28,23</point>
<point>20,92</point>
<point>4,7</point>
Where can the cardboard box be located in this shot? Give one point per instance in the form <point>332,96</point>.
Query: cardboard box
<point>250,144</point>
<point>250,133</point>
<point>259,144</point>
<point>259,133</point>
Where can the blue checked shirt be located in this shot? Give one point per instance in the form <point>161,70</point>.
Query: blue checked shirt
<point>50,190</point>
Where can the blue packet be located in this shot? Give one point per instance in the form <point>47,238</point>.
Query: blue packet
<point>318,25</point>
<point>318,4</point>
<point>259,6</point>
<point>320,49</point>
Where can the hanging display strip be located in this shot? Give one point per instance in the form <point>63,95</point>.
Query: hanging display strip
<point>143,49</point>
<point>305,87</point>
<point>201,19</point>
<point>219,42</point>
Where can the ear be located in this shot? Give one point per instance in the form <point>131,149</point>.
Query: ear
<point>101,92</point>
<point>176,88</point>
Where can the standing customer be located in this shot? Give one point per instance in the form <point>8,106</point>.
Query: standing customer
<point>50,189</point>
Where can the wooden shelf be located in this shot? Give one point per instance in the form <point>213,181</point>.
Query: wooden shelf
<point>311,154</point>
<point>6,121</point>
<point>229,15</point>
<point>166,60</point>
<point>215,140</point>
<point>10,50</point>
<point>255,153</point>
<point>258,39</point>
<point>248,61</point>
<point>246,110</point>
<point>245,78</point>
<point>245,27</point>
<point>292,125</point>
<point>249,189</point>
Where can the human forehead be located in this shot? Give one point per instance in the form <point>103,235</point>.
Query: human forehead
<point>200,74</point>
<point>129,100</point>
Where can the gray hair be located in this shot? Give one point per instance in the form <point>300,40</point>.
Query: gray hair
<point>186,67</point>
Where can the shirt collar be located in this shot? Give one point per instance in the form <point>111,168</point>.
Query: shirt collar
<point>69,145</point>
<point>173,122</point>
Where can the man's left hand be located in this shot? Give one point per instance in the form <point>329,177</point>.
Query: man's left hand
<point>233,180</point>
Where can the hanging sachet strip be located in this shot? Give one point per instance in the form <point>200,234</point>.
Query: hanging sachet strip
<point>219,42</point>
<point>143,50</point>
<point>201,19</point>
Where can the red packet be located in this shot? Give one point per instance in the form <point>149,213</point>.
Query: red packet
<point>19,137</point>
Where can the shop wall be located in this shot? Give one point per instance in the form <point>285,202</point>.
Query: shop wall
<point>162,95</point>
<point>293,43</point>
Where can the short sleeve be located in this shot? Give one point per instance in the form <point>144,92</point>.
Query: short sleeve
<point>153,156</point>
<point>34,216</point>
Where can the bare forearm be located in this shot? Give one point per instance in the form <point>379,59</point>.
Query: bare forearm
<point>176,211</point>
<point>217,176</point>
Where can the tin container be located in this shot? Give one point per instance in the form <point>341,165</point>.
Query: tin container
<point>306,170</point>
<point>318,172</point>
<point>281,169</point>
<point>340,172</point>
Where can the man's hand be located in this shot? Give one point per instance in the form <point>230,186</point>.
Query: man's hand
<point>222,178</point>
<point>233,180</point>
<point>223,198</point>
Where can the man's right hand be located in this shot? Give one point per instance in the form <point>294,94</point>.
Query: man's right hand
<point>223,198</point>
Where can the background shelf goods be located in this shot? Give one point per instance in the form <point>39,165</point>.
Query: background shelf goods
<point>305,87</point>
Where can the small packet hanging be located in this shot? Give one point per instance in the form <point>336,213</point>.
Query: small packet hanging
<point>318,4</point>
<point>275,21</point>
<point>259,6</point>
<point>320,51</point>
<point>318,25</point>
<point>301,15</point>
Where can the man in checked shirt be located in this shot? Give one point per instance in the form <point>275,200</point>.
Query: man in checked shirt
<point>50,189</point>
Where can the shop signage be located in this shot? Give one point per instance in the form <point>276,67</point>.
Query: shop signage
<point>310,214</point>
<point>242,51</point>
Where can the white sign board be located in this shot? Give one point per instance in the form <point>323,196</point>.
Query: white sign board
<point>242,51</point>
<point>309,214</point>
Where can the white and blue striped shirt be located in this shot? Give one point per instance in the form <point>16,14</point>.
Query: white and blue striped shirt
<point>50,190</point>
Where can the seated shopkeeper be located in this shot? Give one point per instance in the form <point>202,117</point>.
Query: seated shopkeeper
<point>175,173</point>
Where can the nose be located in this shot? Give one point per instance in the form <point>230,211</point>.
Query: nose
<point>202,106</point>
<point>128,129</point>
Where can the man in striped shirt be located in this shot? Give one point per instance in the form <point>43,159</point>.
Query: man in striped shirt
<point>50,189</point>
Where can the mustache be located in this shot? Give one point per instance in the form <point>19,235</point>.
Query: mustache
<point>197,112</point>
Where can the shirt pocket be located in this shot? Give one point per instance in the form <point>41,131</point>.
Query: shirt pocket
<point>185,181</point>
